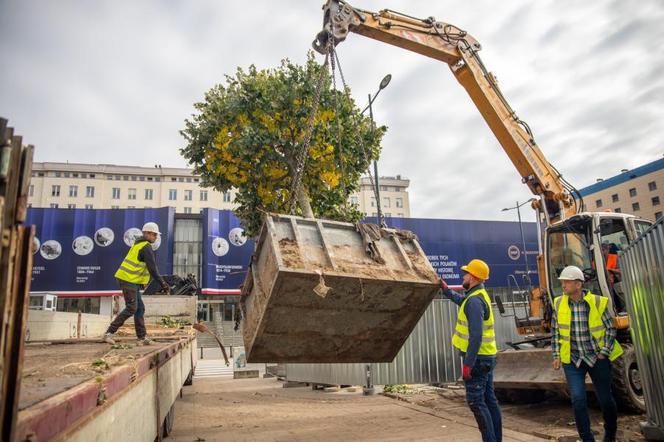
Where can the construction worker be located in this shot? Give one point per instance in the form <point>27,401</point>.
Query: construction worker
<point>583,342</point>
<point>133,275</point>
<point>475,338</point>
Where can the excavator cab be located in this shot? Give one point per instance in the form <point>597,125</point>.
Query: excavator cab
<point>593,242</point>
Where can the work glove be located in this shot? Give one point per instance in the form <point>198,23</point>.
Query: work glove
<point>466,372</point>
<point>166,290</point>
<point>443,284</point>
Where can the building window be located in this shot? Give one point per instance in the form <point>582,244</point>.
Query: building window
<point>189,179</point>
<point>131,207</point>
<point>227,197</point>
<point>125,177</point>
<point>187,210</point>
<point>149,178</point>
<point>31,191</point>
<point>73,191</point>
<point>598,203</point>
<point>109,177</point>
<point>92,175</point>
<point>384,188</point>
<point>141,178</point>
<point>54,205</point>
<point>133,177</point>
<point>617,210</point>
<point>115,207</point>
<point>203,195</point>
<point>174,179</point>
<point>652,186</point>
<point>118,178</point>
<point>354,200</point>
<point>116,193</point>
<point>172,194</point>
<point>373,202</point>
<point>71,206</point>
<point>74,175</point>
<point>614,197</point>
<point>188,195</point>
<point>55,190</point>
<point>632,192</point>
<point>196,180</point>
<point>40,173</point>
<point>658,215</point>
<point>157,179</point>
<point>655,200</point>
<point>88,206</point>
<point>399,202</point>
<point>149,194</point>
<point>58,174</point>
<point>84,175</point>
<point>636,207</point>
<point>66,174</point>
<point>90,192</point>
<point>131,194</point>
<point>388,215</point>
<point>386,201</point>
<point>181,179</point>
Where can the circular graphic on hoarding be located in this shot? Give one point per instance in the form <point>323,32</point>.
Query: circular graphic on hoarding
<point>35,245</point>
<point>513,252</point>
<point>155,245</point>
<point>237,237</point>
<point>104,237</point>
<point>220,246</point>
<point>51,249</point>
<point>131,235</point>
<point>83,245</point>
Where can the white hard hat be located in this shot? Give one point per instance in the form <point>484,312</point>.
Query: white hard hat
<point>151,227</point>
<point>571,273</point>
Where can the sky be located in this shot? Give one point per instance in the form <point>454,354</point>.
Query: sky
<point>113,81</point>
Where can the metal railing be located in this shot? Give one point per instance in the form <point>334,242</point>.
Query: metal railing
<point>643,282</point>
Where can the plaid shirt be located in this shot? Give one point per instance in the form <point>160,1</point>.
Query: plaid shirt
<point>584,348</point>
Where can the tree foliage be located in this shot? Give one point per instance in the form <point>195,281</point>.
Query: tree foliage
<point>248,131</point>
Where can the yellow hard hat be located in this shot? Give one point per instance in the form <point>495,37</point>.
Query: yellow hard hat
<point>477,268</point>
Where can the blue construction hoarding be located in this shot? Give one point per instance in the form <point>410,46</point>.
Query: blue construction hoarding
<point>78,250</point>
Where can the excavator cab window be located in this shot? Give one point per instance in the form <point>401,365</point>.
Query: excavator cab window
<point>613,237</point>
<point>568,245</point>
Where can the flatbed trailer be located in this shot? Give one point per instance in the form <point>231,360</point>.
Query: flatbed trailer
<point>84,390</point>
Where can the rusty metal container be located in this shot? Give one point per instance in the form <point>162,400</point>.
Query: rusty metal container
<point>313,293</point>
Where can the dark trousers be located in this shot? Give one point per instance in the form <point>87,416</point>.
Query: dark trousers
<point>133,307</point>
<point>600,374</point>
<point>482,400</point>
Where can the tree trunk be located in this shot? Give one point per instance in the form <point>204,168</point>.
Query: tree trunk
<point>303,201</point>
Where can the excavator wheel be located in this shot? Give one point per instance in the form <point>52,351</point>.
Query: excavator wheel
<point>627,387</point>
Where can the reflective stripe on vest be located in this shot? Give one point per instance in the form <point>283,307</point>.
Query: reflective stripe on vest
<point>131,269</point>
<point>597,306</point>
<point>461,334</point>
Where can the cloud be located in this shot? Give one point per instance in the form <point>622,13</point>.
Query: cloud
<point>112,82</point>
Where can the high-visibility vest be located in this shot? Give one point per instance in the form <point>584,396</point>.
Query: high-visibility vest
<point>597,305</point>
<point>461,334</point>
<point>132,270</point>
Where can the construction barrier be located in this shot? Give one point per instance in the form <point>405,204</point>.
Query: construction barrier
<point>643,282</point>
<point>427,357</point>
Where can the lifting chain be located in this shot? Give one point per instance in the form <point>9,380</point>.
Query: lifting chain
<point>304,150</point>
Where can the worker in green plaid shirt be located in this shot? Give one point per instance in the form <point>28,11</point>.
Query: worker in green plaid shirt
<point>584,342</point>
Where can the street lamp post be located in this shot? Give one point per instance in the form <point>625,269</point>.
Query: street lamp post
<point>523,239</point>
<point>383,84</point>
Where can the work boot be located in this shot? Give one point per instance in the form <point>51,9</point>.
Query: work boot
<point>108,338</point>
<point>146,341</point>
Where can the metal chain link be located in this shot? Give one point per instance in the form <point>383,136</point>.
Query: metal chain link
<point>304,150</point>
<point>334,62</point>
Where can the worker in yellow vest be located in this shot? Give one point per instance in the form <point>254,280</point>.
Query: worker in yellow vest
<point>133,275</point>
<point>584,342</point>
<point>474,336</point>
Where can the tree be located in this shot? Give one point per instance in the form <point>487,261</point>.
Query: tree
<point>247,133</point>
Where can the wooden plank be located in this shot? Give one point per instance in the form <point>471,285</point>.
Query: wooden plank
<point>21,288</point>
<point>24,183</point>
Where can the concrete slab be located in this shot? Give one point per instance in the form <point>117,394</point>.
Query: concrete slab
<point>260,409</point>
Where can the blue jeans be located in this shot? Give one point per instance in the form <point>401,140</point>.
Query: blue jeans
<point>600,374</point>
<point>482,400</point>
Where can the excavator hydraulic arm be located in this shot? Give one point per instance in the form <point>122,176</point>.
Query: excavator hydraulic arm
<point>447,43</point>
